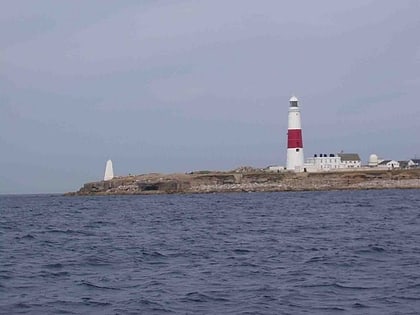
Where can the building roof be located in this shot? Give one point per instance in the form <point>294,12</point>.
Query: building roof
<point>293,99</point>
<point>349,156</point>
<point>384,162</point>
<point>417,161</point>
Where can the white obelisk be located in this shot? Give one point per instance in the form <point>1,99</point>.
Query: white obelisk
<point>109,171</point>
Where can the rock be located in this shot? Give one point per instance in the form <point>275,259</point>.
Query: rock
<point>247,180</point>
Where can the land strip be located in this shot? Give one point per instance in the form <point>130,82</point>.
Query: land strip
<point>252,180</point>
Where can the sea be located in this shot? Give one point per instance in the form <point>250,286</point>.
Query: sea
<point>335,252</point>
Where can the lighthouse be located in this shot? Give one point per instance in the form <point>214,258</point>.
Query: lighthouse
<point>294,138</point>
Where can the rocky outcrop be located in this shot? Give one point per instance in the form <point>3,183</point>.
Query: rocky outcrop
<point>252,181</point>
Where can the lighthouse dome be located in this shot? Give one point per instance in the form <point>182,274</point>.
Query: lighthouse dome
<point>293,102</point>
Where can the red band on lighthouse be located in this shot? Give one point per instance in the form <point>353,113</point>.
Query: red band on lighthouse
<point>294,139</point>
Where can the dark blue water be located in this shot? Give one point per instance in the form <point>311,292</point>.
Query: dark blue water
<point>354,252</point>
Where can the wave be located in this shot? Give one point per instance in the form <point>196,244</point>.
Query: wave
<point>337,285</point>
<point>201,297</point>
<point>96,286</point>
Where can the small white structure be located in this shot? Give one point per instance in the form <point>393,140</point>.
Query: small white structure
<point>373,160</point>
<point>109,171</point>
<point>276,168</point>
<point>389,164</point>
<point>295,158</point>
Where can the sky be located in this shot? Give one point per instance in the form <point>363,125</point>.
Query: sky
<point>183,85</point>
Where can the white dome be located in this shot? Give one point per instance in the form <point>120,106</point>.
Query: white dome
<point>293,99</point>
<point>373,160</point>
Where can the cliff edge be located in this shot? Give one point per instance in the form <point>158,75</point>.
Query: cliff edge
<point>252,180</point>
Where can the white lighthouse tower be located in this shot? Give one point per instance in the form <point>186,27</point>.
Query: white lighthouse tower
<point>295,158</point>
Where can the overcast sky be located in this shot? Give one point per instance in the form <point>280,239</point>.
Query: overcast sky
<point>175,86</point>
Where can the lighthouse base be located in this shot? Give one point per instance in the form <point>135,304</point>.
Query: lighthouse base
<point>295,161</point>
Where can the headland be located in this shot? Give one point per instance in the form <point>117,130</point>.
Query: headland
<point>247,179</point>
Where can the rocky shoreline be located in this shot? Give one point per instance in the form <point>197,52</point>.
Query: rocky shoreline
<point>252,180</point>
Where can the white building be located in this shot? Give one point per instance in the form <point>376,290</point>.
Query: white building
<point>389,164</point>
<point>406,164</point>
<point>323,162</point>
<point>350,160</point>
<point>331,162</point>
